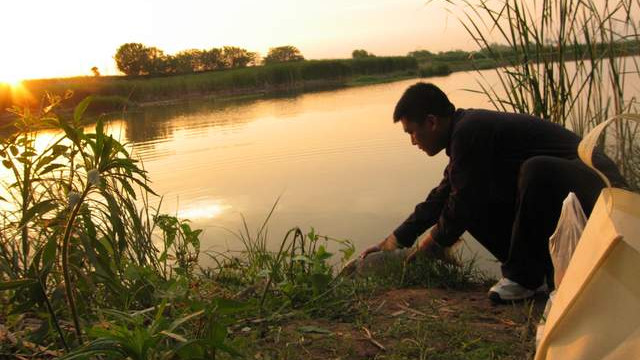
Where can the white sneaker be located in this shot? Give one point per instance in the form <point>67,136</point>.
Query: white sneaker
<point>507,290</point>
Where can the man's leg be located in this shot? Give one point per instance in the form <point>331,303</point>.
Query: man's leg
<point>543,184</point>
<point>492,228</point>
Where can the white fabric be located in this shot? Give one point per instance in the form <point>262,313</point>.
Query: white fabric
<point>564,239</point>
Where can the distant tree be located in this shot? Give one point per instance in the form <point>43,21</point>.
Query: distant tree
<point>137,59</point>
<point>212,59</point>
<point>187,61</point>
<point>453,55</point>
<point>495,48</point>
<point>154,61</point>
<point>283,54</point>
<point>130,58</point>
<point>95,71</point>
<point>235,57</point>
<point>421,54</point>
<point>360,53</point>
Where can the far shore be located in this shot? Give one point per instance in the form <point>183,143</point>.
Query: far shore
<point>114,93</point>
<point>111,104</point>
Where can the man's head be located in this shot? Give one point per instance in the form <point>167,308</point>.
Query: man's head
<point>425,113</point>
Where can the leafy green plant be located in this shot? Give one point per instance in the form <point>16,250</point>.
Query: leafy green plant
<point>181,244</point>
<point>296,273</point>
<point>152,334</point>
<point>76,228</point>
<point>73,225</point>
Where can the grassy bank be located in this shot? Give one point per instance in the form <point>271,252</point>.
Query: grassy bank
<point>113,91</point>
<point>87,270</point>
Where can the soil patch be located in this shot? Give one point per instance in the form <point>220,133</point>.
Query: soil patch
<point>414,323</point>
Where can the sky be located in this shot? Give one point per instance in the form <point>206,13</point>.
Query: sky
<point>43,38</point>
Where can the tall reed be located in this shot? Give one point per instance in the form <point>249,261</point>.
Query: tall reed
<point>567,62</point>
<point>70,218</point>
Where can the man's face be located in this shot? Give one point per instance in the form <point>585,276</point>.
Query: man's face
<point>422,135</point>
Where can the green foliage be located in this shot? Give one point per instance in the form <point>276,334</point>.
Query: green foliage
<point>138,59</point>
<point>235,57</point>
<point>297,273</point>
<point>73,229</point>
<point>160,332</point>
<point>381,65</point>
<point>437,69</point>
<point>421,54</point>
<point>109,278</point>
<point>282,54</point>
<point>361,53</point>
<point>181,245</point>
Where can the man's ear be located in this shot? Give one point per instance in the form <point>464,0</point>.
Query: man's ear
<point>432,122</point>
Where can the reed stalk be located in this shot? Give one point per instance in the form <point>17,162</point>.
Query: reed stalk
<point>65,263</point>
<point>567,61</point>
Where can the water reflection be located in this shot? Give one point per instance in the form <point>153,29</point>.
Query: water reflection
<point>203,209</point>
<point>160,122</point>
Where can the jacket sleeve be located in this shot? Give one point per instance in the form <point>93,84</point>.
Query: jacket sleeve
<point>425,214</point>
<point>470,169</point>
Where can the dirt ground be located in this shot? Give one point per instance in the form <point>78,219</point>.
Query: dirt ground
<point>411,324</point>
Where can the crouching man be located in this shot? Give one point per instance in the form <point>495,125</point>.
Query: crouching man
<point>507,177</point>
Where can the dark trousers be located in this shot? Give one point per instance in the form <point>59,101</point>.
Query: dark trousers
<point>517,234</point>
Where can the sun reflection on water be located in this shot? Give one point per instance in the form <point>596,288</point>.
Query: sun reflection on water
<point>203,210</point>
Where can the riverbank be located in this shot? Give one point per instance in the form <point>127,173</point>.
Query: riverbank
<point>394,324</point>
<point>108,104</point>
<point>115,92</point>
<point>396,317</point>
<point>100,273</point>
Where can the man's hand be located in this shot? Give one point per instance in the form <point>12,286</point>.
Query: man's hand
<point>388,244</point>
<point>426,246</point>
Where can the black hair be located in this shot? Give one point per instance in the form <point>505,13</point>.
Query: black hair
<point>420,100</point>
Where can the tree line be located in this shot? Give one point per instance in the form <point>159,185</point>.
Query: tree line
<point>506,52</point>
<point>138,59</point>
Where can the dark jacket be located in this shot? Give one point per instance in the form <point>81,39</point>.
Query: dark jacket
<point>485,149</point>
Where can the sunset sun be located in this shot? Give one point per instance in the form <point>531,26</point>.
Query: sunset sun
<point>11,74</point>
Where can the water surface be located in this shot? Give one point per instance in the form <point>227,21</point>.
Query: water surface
<point>334,159</point>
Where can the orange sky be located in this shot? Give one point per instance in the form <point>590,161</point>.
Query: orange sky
<point>55,39</point>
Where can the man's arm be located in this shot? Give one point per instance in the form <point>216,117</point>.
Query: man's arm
<point>470,183</point>
<point>425,214</point>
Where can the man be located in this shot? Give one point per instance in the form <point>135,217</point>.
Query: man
<point>507,177</point>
